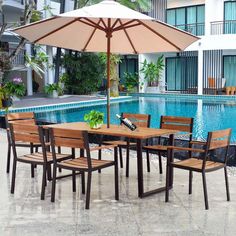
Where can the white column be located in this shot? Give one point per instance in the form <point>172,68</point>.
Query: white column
<point>142,84</point>
<point>200,72</point>
<point>49,76</point>
<point>29,72</point>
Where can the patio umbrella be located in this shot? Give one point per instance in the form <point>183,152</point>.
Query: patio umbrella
<point>107,27</point>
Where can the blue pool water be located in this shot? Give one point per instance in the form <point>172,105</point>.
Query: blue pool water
<point>208,114</point>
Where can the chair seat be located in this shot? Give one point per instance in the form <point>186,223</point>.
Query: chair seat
<point>156,147</point>
<point>38,157</point>
<point>82,163</point>
<point>119,143</point>
<point>196,164</point>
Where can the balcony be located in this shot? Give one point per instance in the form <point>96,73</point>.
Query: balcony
<point>19,60</point>
<point>223,27</point>
<point>12,6</point>
<point>197,29</point>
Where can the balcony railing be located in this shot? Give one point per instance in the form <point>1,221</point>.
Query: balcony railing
<point>196,29</point>
<point>19,59</point>
<point>223,27</point>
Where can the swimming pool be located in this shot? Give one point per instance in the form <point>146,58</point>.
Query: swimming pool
<point>208,114</point>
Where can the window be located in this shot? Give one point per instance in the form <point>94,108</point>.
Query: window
<point>181,73</point>
<point>230,70</point>
<point>190,19</point>
<point>230,17</point>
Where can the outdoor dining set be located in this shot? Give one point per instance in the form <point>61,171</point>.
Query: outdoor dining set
<point>49,144</point>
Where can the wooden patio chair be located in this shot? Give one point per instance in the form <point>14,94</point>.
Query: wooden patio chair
<point>183,124</point>
<point>216,140</point>
<point>140,120</point>
<point>79,140</point>
<point>24,118</point>
<point>32,134</point>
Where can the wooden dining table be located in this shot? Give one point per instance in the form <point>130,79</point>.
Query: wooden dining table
<point>141,134</point>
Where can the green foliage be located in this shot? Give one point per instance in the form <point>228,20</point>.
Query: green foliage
<point>36,16</point>
<point>4,93</point>
<point>49,88</point>
<point>152,71</point>
<point>37,62</point>
<point>131,80</point>
<point>15,88</point>
<point>85,72</point>
<point>94,118</point>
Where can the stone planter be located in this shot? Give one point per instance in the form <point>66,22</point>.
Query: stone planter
<point>153,89</point>
<point>54,94</point>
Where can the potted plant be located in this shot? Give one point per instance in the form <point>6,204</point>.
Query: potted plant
<point>15,88</point>
<point>152,72</point>
<point>5,96</point>
<point>131,82</point>
<point>94,119</point>
<point>53,90</point>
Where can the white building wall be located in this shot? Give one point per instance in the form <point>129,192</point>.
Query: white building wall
<point>183,3</point>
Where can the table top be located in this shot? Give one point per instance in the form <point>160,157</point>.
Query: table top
<point>116,130</point>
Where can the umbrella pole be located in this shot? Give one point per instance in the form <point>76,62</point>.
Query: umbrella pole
<point>108,35</point>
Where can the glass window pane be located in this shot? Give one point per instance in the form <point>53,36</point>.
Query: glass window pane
<point>171,17</point>
<point>180,18</point>
<point>230,70</point>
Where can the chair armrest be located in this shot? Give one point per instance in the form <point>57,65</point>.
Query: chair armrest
<point>102,147</point>
<point>198,142</point>
<point>185,149</point>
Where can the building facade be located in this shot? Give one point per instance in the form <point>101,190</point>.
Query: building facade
<point>204,67</point>
<point>209,65</point>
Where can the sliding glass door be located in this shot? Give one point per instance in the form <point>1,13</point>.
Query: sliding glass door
<point>230,70</point>
<point>230,17</point>
<point>181,73</point>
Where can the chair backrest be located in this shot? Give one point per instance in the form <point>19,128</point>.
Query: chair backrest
<point>27,134</point>
<point>184,124</point>
<point>21,117</point>
<point>211,82</point>
<point>140,120</point>
<point>216,140</point>
<point>70,138</point>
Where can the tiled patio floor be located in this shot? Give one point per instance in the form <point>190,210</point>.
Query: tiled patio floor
<point>25,214</point>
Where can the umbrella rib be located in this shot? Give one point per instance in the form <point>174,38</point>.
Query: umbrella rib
<point>104,24</point>
<point>91,23</point>
<point>115,23</point>
<point>128,37</point>
<point>124,25</point>
<point>161,36</point>
<point>52,32</point>
<point>90,37</point>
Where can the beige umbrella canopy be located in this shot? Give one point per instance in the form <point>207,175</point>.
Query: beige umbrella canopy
<point>107,27</point>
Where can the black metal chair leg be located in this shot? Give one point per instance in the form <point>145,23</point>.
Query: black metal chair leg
<point>148,161</point>
<point>116,176</point>
<point>44,179</point>
<point>190,182</point>
<point>53,183</point>
<point>8,158</point>
<point>160,163</point>
<point>32,170</point>
<point>167,183</point>
<point>13,177</point>
<point>205,190</point>
<point>88,190</point>
<point>99,158</point>
<point>73,181</point>
<point>83,182</point>
<point>121,158</point>
<point>49,172</point>
<point>227,184</point>
<point>127,161</point>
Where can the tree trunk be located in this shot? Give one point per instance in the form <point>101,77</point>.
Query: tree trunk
<point>114,80</point>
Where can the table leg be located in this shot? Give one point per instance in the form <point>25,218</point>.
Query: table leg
<point>171,177</point>
<point>140,167</point>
